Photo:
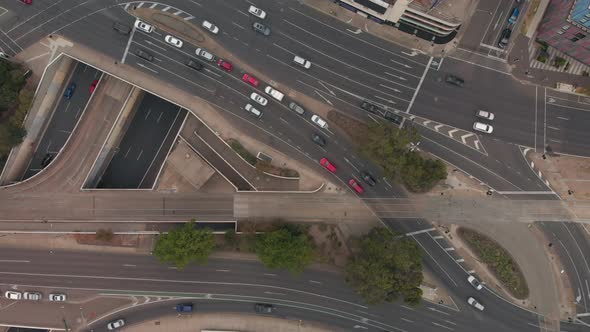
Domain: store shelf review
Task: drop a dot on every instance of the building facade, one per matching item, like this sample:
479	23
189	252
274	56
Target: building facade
419	17
566	26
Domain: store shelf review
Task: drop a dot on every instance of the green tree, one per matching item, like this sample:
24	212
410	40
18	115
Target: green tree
420	174
385	266
184	245
286	248
388	146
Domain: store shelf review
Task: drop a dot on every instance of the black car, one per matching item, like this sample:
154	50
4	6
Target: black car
264	308
455	80
144	55
317	139
261	28
194	64
46	160
370	107
504	37
368	178
393	117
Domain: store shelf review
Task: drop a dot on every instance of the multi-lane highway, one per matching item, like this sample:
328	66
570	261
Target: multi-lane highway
347	68
314	295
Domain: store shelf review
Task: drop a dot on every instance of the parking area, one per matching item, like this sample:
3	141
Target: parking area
73	98
143	148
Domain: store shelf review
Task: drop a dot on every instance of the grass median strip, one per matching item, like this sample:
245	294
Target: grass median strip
498	261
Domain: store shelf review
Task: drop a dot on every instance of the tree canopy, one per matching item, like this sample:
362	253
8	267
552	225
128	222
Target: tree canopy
389	147
185	245
385	266
286	248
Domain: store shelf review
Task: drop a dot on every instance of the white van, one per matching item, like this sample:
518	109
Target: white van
251	109
276	94
302	62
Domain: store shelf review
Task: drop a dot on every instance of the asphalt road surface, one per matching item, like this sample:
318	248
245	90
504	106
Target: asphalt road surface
151	133
64	118
313	295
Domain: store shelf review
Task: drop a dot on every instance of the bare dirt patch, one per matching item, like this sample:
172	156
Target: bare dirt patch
115	241
356	130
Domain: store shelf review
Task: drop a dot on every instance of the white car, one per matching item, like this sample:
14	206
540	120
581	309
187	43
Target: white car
33	296
204	54
251	109
319	121
276	94
144	26
485	115
173	41
259	99
211	27
116	324
474	282
484	128
13	295
302	62
261	14
474	303
57	297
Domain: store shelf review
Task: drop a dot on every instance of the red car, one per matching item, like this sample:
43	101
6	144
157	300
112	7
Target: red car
225	65
324	162
251	79
357	187
27	2
93	86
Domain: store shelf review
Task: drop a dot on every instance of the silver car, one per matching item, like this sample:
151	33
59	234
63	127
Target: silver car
116	324
484	128
203	53
33	296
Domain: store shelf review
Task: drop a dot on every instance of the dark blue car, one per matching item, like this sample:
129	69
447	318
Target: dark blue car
184	307
70	91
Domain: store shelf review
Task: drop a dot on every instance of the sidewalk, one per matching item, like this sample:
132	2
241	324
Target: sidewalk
227	322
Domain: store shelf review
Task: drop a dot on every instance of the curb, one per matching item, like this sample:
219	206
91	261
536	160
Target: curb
532	166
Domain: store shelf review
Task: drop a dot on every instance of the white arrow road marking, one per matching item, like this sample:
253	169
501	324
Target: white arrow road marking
426	122
402	64
438	126
452	132
551	100
360	327
464	137
387	100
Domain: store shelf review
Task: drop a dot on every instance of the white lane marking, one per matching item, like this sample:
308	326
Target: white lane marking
315	282
406	307
239	26
536	95
196	3
347	50
448	321
351	79
359	39
396	76
386	100
562	118
419	85
479	65
348	161
324	98
153	44
435	261
128	45
421	231
270	274
241	12
32	17
129	265
150	69
220	270
14	261
439	311
274	293
325	87
388	87
444	327
51	19
545	123
554	128
571	107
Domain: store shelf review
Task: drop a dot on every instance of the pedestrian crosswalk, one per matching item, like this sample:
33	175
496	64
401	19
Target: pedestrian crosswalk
575	67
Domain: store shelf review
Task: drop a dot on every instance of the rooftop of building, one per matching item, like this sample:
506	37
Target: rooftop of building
580	13
449	10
